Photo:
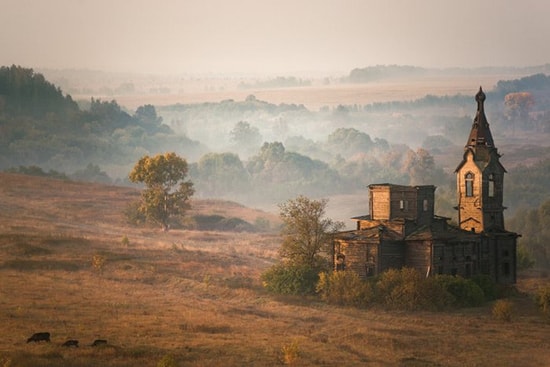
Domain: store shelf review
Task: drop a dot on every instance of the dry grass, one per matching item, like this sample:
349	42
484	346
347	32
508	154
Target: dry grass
196	296
313	97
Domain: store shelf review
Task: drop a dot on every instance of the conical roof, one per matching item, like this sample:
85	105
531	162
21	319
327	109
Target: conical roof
480	136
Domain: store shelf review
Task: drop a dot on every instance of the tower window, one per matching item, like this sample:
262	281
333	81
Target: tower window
469	184
491	185
425	205
403	205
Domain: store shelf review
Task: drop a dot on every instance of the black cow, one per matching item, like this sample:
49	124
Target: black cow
71	343
99	342
38	337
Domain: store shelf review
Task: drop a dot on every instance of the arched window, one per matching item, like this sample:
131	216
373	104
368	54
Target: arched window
469	184
491	185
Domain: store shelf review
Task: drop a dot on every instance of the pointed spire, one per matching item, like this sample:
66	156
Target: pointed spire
480	136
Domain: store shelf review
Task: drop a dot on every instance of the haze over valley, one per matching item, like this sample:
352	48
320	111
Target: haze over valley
265	102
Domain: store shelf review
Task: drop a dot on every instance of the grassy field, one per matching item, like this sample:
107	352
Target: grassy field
195	299
313	97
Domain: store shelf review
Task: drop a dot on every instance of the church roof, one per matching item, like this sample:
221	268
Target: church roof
373	233
480	135
450	232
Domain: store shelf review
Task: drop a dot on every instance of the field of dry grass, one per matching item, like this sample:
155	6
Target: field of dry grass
195	297
313	97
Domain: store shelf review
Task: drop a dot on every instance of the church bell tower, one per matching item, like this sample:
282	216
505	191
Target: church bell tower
480	178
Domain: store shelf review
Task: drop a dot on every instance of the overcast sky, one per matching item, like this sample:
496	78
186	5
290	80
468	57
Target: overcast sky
279	36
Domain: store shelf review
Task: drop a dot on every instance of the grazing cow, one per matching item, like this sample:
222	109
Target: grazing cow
71	343
99	342
38	337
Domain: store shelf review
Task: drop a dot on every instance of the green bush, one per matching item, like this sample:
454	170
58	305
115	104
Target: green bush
408	289
133	214
345	288
524	258
487	285
290	279
466	292
167	361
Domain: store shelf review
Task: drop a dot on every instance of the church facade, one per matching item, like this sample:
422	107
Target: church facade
402	229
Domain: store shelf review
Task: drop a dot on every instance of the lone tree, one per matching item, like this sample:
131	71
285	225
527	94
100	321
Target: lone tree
307	234
167	193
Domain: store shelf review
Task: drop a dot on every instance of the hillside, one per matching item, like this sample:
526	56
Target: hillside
195	297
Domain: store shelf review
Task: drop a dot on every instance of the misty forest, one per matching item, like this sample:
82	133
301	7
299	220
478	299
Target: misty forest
259	153
160	220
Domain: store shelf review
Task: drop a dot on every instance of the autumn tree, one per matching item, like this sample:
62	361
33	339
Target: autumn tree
518	106
167	193
307	233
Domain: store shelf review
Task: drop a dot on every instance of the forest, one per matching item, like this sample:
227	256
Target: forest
260	153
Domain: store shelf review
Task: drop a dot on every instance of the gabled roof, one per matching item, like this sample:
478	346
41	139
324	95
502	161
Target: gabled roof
373	233
434	233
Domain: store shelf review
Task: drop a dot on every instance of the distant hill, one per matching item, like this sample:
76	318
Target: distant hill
43	127
31	201
381	72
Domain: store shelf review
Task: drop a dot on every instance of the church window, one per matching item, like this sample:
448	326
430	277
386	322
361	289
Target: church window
369	270
340	262
506	269
491	185
469	184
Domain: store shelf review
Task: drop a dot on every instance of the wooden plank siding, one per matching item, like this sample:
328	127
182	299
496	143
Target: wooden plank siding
418	255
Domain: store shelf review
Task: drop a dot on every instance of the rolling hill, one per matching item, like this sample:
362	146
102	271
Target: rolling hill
71	265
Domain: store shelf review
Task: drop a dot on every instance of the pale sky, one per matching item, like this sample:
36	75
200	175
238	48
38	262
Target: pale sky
279	36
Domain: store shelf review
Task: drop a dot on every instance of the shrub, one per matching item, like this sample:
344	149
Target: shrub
465	292
291	353
133	214
345	288
167	361
487	285
408	289
290	279
125	241
503	310
524	258
542	298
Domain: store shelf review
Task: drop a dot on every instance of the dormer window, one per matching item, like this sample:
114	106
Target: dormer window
469	184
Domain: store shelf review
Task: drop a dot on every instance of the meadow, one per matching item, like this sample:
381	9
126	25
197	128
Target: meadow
327	92
72	266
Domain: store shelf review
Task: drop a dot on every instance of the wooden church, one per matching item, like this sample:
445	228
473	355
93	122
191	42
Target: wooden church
402	230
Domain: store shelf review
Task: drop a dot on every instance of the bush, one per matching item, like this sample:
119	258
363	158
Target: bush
407	289
542	298
345	288
524	258
503	310
167	361
291	353
290	279
133	214
465	292
487	285
216	222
